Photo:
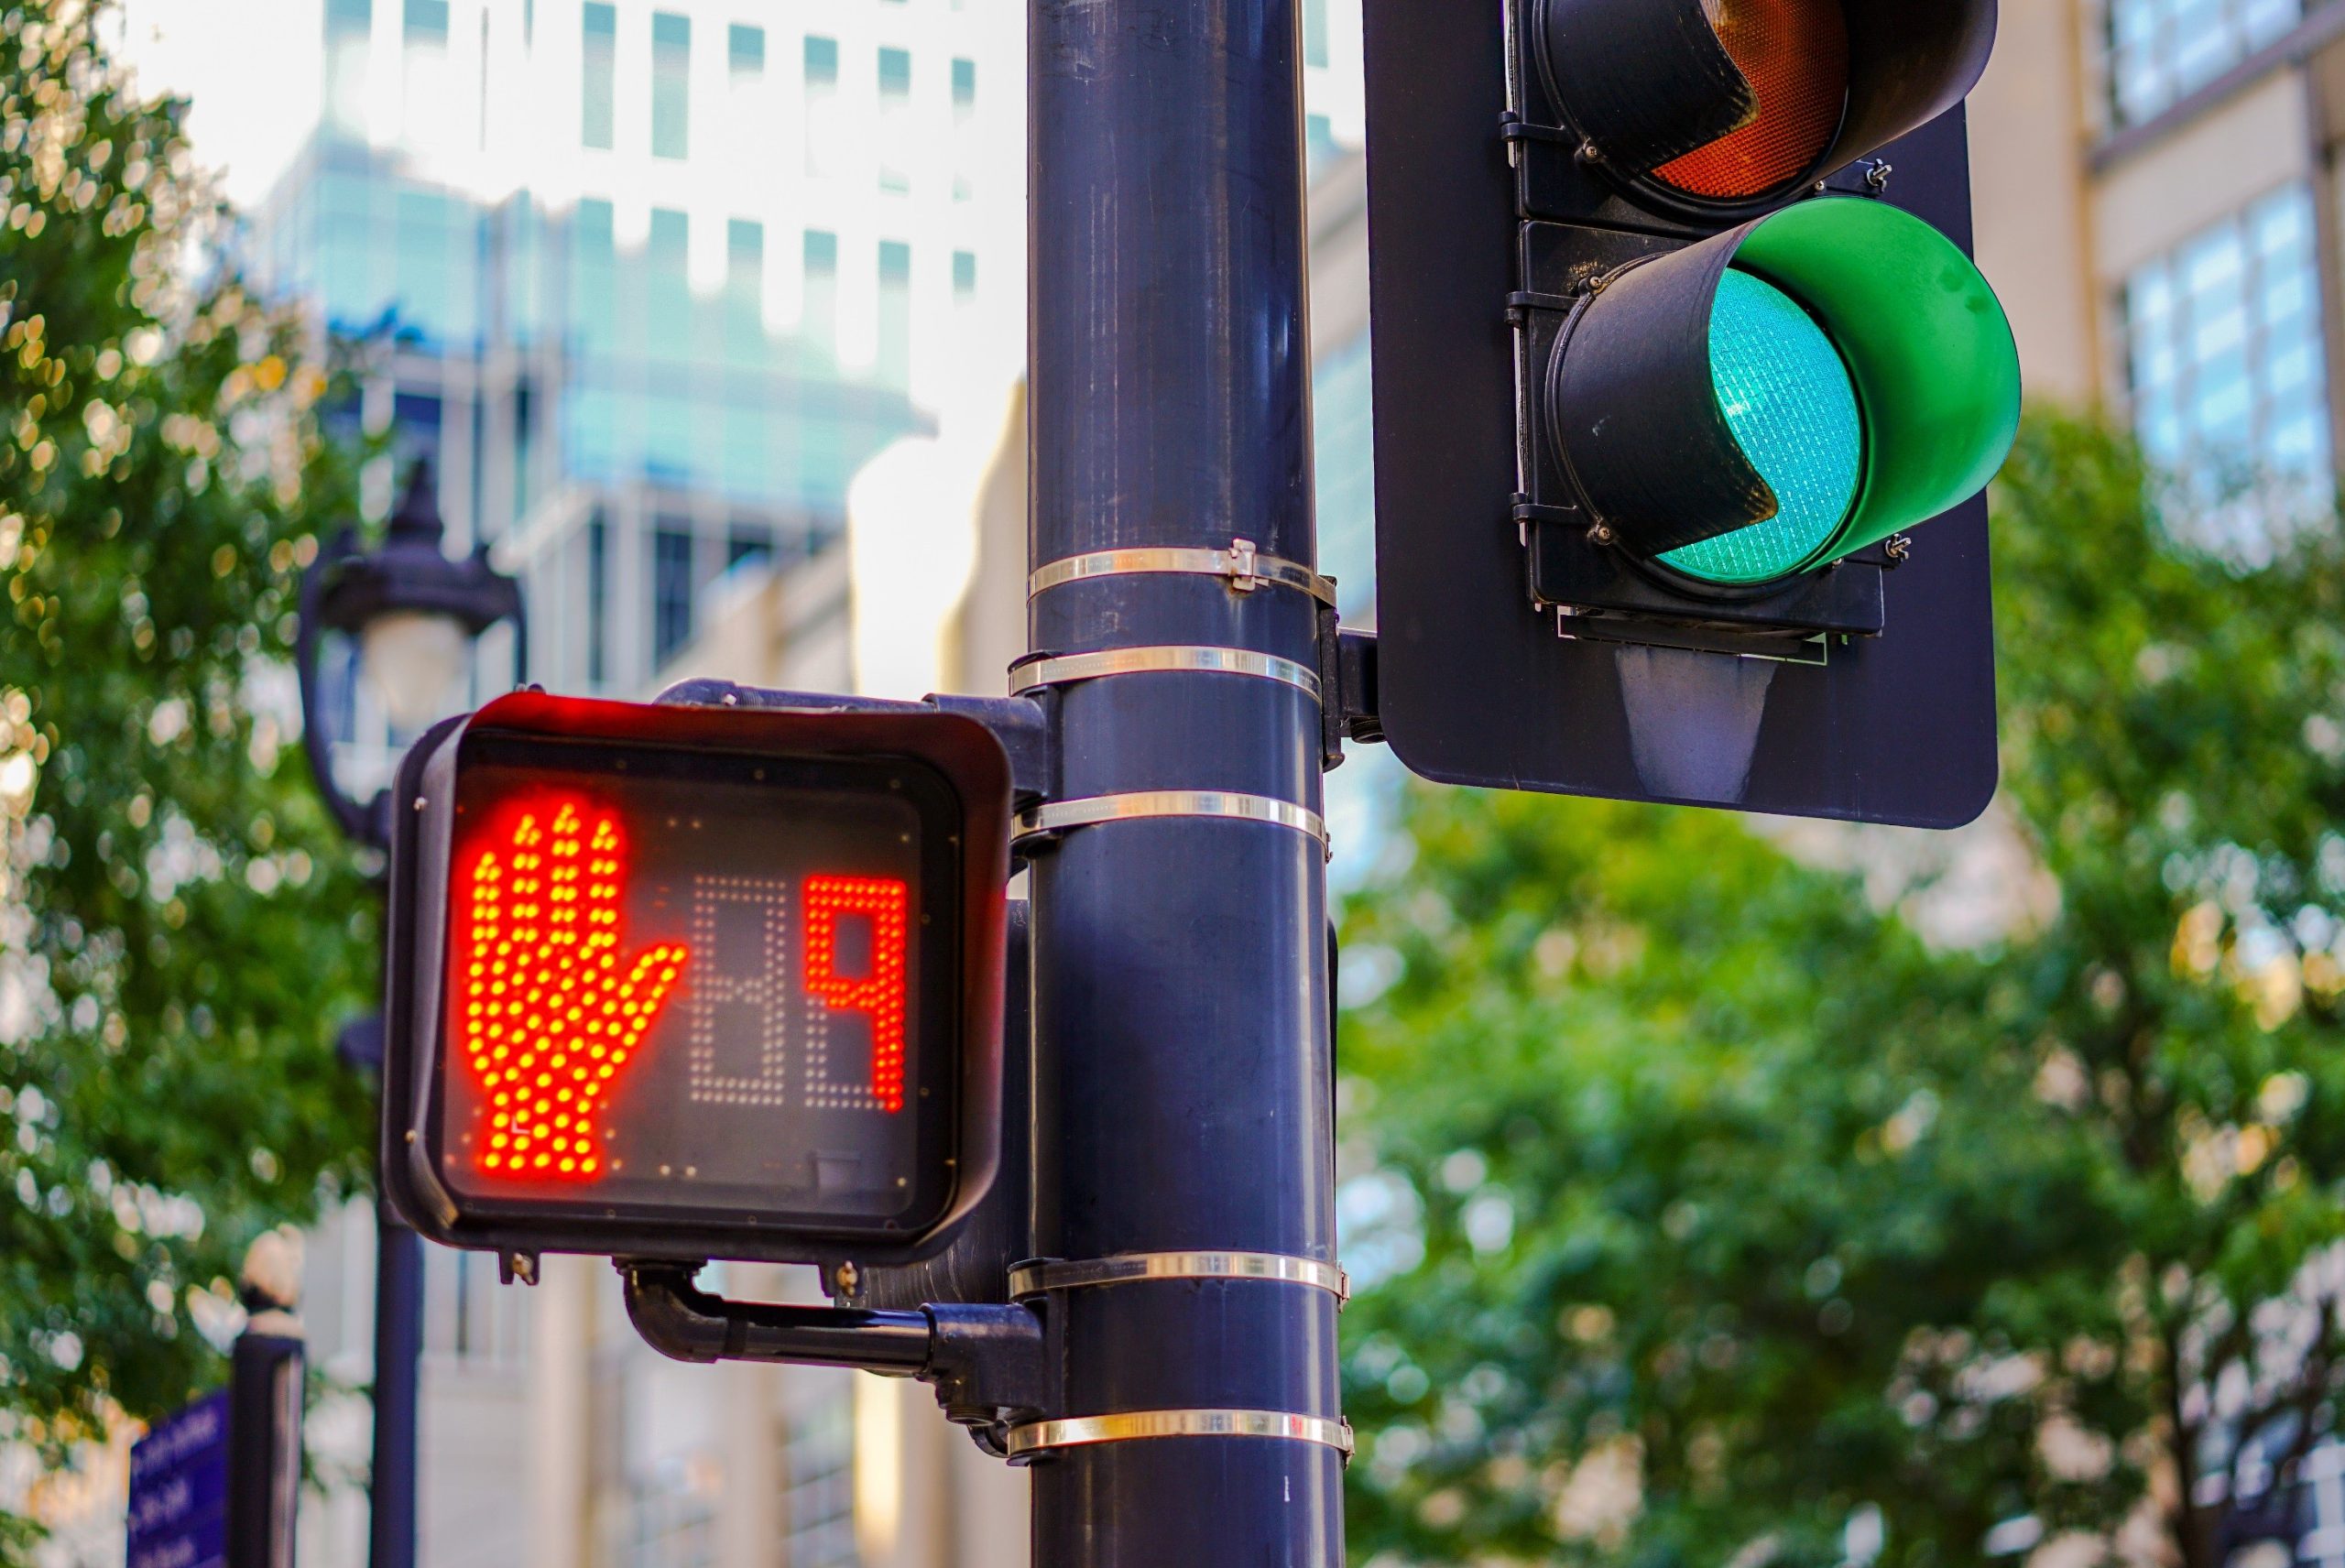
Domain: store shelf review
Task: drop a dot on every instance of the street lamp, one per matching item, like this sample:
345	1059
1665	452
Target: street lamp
415	614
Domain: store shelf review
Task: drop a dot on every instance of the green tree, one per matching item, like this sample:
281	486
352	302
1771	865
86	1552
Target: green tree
1725	1221
179	930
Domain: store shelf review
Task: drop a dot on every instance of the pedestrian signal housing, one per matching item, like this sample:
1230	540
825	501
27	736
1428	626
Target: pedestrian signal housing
690	983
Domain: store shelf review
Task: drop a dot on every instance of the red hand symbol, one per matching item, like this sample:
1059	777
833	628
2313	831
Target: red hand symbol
551	1013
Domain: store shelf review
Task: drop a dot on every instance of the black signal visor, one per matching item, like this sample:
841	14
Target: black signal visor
1729	105
694	983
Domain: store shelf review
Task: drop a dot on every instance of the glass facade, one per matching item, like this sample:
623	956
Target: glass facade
613	312
2224	344
2162	50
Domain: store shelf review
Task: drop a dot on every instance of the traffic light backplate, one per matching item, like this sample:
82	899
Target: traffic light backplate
1522	647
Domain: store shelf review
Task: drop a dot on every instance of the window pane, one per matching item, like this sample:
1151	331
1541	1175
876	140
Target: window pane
672	53
2223	346
895	364
597	74
672	589
822	61
2162	50
745	50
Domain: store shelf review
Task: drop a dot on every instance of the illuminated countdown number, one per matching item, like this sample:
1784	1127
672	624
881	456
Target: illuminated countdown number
878	991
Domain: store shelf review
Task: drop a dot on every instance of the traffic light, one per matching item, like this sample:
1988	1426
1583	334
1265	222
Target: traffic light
1693	275
686	983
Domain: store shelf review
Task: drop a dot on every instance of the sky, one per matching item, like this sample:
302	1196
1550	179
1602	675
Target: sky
251	70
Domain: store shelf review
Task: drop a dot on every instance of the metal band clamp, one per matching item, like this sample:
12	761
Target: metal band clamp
1090	810
1030	1280
1038	673
1246	569
1134	1426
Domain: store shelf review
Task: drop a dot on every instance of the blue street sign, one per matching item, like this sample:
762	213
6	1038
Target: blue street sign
178	1489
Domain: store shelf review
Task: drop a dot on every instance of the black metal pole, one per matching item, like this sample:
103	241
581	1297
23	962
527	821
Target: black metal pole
399	1348
1181	981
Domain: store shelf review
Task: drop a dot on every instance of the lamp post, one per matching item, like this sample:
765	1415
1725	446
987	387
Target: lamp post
416	614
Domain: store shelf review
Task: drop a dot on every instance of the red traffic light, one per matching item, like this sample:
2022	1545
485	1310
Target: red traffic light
686	982
1703	112
1795	56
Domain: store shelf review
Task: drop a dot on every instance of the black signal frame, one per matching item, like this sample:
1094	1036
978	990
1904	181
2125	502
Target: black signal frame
1898	727
949	768
1580	570
1909	62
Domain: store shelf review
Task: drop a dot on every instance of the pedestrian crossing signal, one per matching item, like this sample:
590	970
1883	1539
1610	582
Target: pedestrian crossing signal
682	982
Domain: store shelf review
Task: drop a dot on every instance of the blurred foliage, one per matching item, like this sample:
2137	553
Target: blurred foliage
1724	1221
180	928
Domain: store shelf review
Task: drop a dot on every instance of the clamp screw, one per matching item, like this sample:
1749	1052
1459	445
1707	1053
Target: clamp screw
1243	577
1601	534
1899	549
1588	152
844	1279
1878	175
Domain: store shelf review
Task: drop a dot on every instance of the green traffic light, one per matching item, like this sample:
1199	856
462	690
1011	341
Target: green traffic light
1871	378
1790	402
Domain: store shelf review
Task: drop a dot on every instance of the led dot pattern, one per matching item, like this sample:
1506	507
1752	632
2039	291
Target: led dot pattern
879	993
1788	398
1794	54
547	1014
718	997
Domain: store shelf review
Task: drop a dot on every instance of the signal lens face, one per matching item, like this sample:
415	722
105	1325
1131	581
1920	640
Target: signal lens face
1794	54
677	983
1788	398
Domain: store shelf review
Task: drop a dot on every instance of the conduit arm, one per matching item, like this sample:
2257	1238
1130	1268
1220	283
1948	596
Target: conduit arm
678	1318
985	1362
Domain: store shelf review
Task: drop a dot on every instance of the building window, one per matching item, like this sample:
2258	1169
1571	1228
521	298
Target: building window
895	366
594	280
965	277
895	120
672	586
821	1503
1343	435
598	602
348	22
823	128
1315	32
745	269
965	146
426	21
820	325
2224	340
2161	51
747	542
671	56
822	61
745	50
668	295
598	73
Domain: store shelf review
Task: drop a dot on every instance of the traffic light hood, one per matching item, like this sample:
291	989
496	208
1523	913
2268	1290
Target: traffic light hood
1925	341
1876	385
1754	96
